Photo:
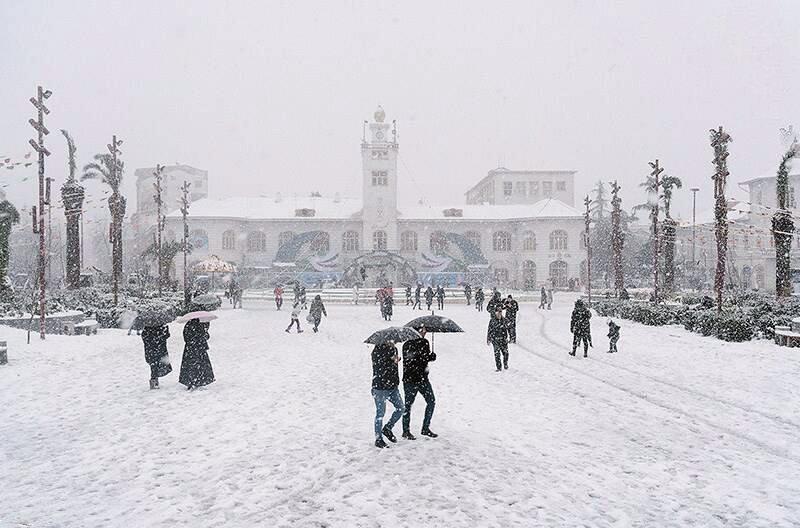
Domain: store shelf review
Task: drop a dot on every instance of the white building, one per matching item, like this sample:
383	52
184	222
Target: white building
522	244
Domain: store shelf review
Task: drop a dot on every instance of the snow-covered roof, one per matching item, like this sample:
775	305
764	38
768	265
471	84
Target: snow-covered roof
268	208
549	208
794	170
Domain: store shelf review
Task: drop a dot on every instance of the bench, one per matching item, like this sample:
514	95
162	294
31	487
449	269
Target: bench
785	337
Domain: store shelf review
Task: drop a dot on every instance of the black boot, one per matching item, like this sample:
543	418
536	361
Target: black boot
428	432
408	435
380	443
153	384
389	434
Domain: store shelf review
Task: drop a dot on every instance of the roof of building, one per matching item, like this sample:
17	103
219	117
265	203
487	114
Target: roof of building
326	208
548	208
794	170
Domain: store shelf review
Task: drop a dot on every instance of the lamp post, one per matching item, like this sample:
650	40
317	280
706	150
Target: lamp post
38	224
185	213
694	231
587	202
157	173
656	173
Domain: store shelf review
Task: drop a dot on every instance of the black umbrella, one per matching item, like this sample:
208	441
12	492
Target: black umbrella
434	324
154	318
395	334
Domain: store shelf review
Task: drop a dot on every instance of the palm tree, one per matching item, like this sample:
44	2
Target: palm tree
8	217
668	183
783	226
72	196
103	169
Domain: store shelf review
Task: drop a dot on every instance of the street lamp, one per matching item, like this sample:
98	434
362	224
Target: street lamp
694	221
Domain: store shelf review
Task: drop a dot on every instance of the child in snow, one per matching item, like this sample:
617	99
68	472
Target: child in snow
295	318
613	336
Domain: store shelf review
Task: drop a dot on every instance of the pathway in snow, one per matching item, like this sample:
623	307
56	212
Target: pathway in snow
675	430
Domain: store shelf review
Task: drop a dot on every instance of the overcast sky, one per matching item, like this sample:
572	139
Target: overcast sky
270	96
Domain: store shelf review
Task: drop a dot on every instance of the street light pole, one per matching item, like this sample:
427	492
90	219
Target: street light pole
694	231
38	227
185	213
656	172
587	202
159	225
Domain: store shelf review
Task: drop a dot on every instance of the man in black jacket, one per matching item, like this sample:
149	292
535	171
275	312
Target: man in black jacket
497	336
416	356
580	327
495	303
417	297
385	380
512	307
440	297
429	297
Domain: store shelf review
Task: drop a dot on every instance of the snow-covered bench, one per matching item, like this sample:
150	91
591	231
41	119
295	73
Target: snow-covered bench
87	327
784	336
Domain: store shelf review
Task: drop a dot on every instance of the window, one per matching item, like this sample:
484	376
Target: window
759	197
501	241
547	189
285	237
438	243
534	186
198	239
380	178
521	188
501	276
558	240
558	274
529	275
508	188
256	242
791	200
474	237
229	240
321	244
528	241
561	186
350	241
408	241
379	240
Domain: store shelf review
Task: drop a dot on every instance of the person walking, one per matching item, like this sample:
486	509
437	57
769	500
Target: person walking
355	293
497	336
295	319
543	299
468	293
416	356
613	336
385	382
296	291
316	312
429	297
388	303
495	303
196	368
155	352
303	305
512	307
417	297
380	293
479	298
440	297
550	298
408	294
278	294
580	327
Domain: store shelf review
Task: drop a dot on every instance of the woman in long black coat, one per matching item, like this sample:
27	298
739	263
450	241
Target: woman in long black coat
196	368
155	352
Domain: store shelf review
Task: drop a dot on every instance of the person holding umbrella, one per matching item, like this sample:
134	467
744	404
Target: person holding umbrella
497	336
416	356
385	382
155	352
196	368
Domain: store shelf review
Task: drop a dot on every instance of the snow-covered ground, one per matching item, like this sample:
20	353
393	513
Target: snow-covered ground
674	430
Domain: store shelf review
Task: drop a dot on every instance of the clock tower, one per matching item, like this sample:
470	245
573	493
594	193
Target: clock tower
379	150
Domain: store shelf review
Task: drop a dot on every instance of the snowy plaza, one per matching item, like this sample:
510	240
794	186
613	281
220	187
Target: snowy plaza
674	430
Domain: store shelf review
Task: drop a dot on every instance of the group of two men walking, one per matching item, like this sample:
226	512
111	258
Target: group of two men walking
385	386
502	330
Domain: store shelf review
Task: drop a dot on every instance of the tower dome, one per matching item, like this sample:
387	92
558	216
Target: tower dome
379	115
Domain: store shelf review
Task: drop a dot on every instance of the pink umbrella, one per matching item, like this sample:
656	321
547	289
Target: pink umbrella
204	317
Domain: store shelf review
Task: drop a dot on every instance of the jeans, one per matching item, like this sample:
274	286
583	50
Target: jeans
440	303
292	324
500	349
411	390
380	397
278	302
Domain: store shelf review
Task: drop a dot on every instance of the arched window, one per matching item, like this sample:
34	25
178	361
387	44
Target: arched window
529	275
321	244
501	276
501	241
229	240
285	237
350	241
256	242
408	241
474	237
379	240
438	243
528	241
558	274
198	239
558	240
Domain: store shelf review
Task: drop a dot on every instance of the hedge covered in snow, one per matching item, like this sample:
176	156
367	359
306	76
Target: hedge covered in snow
743	316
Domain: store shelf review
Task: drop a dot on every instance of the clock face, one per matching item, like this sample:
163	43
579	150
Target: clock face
379	135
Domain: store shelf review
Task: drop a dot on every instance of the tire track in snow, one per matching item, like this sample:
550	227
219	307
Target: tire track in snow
778	452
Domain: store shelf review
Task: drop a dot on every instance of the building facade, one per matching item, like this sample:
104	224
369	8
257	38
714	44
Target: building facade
316	238
505	186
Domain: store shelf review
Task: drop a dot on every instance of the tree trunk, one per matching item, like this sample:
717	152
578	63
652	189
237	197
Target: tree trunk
116	204
721	232
782	229
617	242
669	254
72	195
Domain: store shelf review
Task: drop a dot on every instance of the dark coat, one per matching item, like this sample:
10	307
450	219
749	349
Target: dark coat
496	303
467	290
512	307
385	375
479	296
613	329
579	323
498	332
429	295
388	302
417	293
317	310
196	368
440	293
416	356
155	348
